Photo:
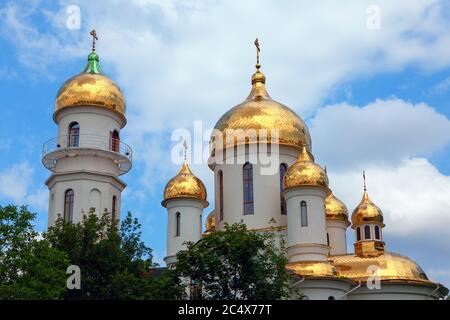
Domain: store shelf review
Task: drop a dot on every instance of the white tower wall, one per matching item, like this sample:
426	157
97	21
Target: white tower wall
336	230
91	168
190	225
306	243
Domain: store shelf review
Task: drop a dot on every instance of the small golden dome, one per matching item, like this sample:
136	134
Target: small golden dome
210	223
391	266
366	211
260	114
335	209
313	269
185	185
91	88
305	173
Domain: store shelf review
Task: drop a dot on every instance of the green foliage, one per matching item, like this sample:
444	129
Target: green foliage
236	264
114	264
29	268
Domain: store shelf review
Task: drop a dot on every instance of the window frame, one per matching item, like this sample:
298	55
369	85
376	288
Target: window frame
73	135
69	199
283	207
303	213
367	230
248	191
177	224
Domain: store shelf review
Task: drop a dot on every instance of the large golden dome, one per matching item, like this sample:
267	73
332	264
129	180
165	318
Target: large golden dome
185	185
91	88
305	173
390	266
335	209
210	223
366	211
319	269
260	112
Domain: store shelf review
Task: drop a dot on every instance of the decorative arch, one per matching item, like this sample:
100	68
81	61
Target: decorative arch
95	197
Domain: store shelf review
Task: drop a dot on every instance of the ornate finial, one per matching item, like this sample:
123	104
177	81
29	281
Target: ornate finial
94	37
258	50
364	178
185	146
325	169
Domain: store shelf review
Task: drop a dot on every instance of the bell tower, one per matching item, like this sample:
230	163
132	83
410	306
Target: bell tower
87	156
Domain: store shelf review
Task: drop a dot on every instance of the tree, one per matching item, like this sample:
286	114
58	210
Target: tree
235	264
30	268
115	263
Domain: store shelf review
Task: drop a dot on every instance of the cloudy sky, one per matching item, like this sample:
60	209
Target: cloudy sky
375	94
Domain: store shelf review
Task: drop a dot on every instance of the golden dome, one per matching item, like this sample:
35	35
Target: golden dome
366	211
210	223
391	266
91	88
260	112
305	173
312	269
185	185
335	209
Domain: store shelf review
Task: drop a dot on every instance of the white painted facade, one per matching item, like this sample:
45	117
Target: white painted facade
90	167
306	242
187	229
337	236
266	187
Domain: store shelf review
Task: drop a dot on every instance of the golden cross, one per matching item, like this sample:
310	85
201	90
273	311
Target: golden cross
258	50
185	146
94	37
364	177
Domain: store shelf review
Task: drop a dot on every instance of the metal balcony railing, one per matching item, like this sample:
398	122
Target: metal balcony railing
61	144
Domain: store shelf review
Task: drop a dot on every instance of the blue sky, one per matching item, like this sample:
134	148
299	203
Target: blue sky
374	99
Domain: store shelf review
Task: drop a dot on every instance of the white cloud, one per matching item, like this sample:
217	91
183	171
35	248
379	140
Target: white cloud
181	60
16	184
382	132
413	195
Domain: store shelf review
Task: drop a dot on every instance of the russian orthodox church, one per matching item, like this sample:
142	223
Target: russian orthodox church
296	202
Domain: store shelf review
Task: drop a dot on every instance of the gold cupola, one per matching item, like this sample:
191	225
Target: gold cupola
335	209
185	185
367	221
210	223
305	173
366	211
91	88
261	115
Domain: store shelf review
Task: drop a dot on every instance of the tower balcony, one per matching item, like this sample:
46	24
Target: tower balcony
87	144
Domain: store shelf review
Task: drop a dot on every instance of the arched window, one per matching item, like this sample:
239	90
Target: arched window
248	188
366	232
74	135
283	169
304	214
114	209
328	239
358	234
68	205
220	195
331	298
177	224
115	141
377	233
